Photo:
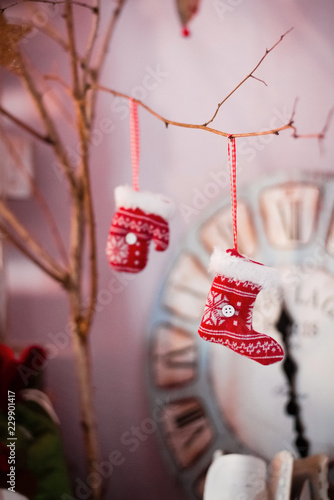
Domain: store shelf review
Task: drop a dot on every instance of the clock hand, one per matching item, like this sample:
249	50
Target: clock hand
290	368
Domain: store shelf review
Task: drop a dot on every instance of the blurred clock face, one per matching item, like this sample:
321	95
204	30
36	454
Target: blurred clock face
209	396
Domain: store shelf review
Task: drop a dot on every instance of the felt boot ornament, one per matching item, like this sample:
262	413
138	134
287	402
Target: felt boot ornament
140	217
228	313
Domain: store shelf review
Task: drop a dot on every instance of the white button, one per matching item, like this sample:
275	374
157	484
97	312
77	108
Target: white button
228	310
131	238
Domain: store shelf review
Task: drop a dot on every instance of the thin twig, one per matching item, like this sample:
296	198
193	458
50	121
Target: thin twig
274	131
23	249
188	125
72	47
90	108
92	248
82	217
26	127
250	75
328	121
37	194
95	72
259	80
62	105
51	2
325	128
293	111
321	135
85	62
48	122
51	33
107	37
26	244
56	78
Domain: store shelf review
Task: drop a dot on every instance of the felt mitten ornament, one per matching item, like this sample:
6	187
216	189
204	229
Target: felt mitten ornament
228	313
140	217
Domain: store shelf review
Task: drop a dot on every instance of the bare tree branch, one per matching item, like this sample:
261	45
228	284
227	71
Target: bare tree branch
95	72
250	75
85	62
27	245
26	127
274	131
51	2
72	47
56	78
51	33
48	122
38	196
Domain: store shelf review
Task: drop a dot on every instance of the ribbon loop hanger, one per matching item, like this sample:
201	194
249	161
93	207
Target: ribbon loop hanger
134	135
232	163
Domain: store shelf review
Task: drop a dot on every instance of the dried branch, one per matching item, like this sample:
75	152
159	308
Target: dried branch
56	78
26	127
37	194
51	33
48	122
274	131
107	38
82	220
85	62
327	123
23	249
51	2
250	75
293	111
321	134
95	72
92	249
27	245
72	48
90	108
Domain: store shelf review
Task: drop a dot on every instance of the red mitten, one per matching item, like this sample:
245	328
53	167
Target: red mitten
140	217
228	314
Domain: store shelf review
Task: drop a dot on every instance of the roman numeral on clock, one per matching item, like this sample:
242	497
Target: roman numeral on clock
175	356
187	287
218	231
289	212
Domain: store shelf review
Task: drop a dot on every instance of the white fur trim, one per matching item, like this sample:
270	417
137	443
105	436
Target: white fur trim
242	269
150	203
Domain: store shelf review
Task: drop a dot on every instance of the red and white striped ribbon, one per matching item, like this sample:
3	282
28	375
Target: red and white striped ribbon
134	134
232	162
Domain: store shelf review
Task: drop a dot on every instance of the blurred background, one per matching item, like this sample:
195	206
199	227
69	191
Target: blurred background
183	79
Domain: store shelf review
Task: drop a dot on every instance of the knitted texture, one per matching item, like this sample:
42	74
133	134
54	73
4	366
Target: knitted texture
129	239
228	316
141	216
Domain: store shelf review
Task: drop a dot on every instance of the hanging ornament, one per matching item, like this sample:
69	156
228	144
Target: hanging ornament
141	216
186	9
228	313
10	36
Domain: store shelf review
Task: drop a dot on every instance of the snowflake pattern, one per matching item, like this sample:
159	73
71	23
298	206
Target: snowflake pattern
213	312
156	230
118	250
249	320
